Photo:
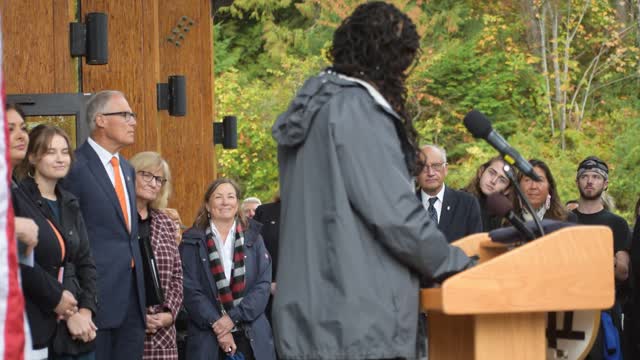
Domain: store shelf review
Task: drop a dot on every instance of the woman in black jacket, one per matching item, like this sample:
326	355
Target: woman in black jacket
65	272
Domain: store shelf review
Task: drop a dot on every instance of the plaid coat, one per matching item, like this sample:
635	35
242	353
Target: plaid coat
162	344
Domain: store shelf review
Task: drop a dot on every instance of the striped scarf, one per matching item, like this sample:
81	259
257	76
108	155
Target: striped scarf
230	293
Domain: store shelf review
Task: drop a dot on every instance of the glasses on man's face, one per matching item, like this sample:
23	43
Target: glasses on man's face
437	167
494	174
126	115
148	177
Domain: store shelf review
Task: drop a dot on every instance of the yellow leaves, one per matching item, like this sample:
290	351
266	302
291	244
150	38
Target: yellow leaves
432	99
475	151
531	59
307	9
565	87
487	40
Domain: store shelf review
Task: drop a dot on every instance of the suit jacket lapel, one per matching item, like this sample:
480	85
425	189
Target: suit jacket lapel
128	172
102	178
446	214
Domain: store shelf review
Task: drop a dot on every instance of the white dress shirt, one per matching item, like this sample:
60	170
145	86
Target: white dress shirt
438	204
105	158
225	249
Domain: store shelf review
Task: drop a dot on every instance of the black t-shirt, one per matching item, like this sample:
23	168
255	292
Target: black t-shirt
618	225
144	227
55	209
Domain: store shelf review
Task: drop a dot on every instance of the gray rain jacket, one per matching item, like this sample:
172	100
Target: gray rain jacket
354	239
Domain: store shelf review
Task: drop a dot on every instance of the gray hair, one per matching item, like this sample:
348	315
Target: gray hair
97	104
251	200
437	148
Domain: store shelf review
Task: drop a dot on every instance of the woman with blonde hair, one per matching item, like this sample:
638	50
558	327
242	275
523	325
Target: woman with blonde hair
155	228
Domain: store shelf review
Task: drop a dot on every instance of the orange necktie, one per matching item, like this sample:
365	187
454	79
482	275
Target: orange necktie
120	193
120	189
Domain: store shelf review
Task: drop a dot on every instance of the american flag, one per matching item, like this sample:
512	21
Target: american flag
12	332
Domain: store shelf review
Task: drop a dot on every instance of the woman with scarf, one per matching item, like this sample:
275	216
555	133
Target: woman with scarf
227	278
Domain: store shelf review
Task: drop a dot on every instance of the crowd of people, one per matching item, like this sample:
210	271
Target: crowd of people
107	269
592	208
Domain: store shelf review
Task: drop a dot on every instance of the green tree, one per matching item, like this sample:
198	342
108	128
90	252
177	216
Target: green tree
550	75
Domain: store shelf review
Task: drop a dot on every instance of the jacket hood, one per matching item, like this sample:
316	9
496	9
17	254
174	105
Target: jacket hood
292	126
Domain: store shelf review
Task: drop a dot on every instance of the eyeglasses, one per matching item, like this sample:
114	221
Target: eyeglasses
437	167
494	174
127	115
147	177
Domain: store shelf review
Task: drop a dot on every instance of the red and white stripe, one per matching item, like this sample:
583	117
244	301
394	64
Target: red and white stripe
12	334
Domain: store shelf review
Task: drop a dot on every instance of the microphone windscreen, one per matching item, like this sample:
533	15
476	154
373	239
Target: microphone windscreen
477	124
498	205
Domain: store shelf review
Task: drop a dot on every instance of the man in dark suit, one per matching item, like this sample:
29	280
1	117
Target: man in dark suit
457	213
104	182
269	215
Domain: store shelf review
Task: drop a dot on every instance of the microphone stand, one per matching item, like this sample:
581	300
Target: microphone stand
516	186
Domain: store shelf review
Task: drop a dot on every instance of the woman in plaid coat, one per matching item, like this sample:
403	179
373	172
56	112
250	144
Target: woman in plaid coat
152	192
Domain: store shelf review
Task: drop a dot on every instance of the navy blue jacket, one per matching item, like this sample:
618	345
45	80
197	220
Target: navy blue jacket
112	245
200	293
460	214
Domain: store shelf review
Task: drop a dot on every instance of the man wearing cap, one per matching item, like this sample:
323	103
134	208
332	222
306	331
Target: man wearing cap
592	180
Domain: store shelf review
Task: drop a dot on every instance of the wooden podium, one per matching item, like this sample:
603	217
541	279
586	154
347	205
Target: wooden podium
497	309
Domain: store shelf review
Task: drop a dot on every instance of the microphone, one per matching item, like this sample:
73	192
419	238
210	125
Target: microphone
480	127
499	205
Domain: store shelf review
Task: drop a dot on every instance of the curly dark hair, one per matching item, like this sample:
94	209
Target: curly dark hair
378	43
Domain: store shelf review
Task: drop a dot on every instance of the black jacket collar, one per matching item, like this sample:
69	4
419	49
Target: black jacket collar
65	198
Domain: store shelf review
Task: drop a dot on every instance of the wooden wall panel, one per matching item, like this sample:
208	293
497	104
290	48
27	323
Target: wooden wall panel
36	57
37	60
131	62
187	142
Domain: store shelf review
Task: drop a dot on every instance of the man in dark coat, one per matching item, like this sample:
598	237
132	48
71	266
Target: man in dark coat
456	212
269	215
